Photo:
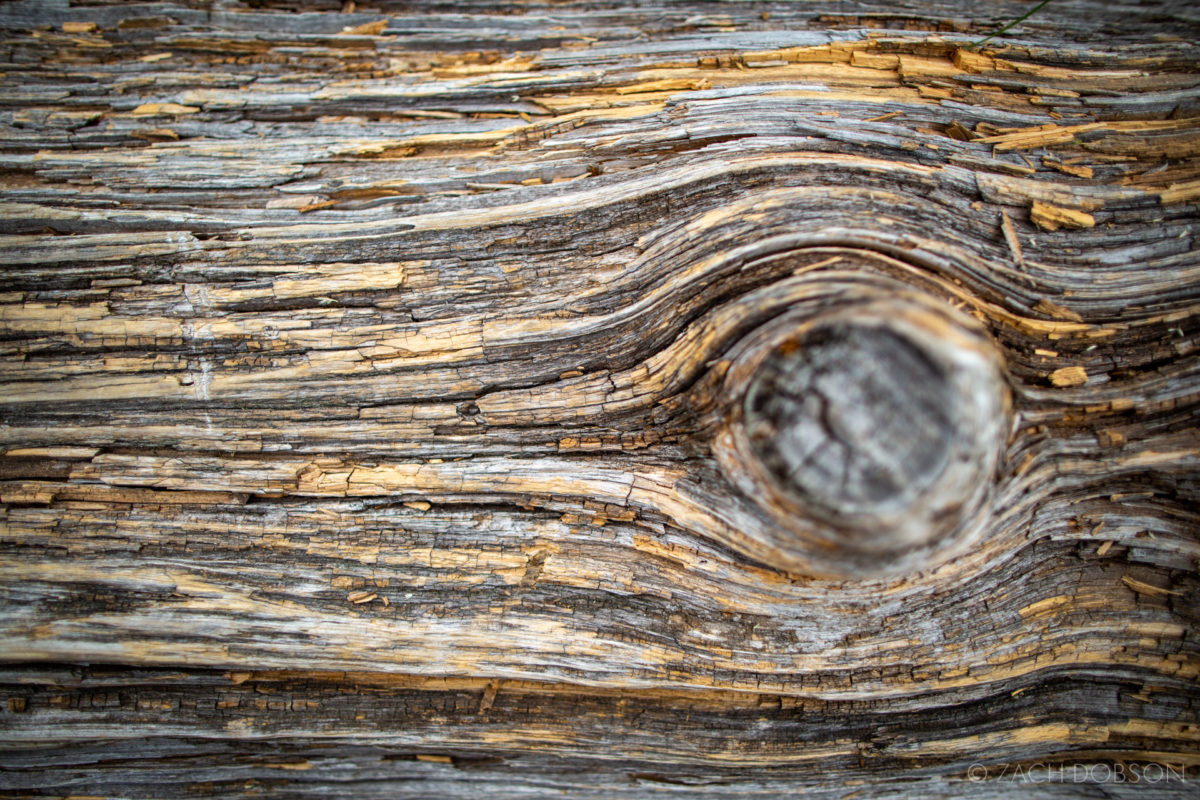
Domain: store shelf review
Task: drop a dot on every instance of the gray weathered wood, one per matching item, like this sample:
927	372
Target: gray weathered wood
489	399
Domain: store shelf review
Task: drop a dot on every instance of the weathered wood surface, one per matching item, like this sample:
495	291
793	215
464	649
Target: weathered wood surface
509	399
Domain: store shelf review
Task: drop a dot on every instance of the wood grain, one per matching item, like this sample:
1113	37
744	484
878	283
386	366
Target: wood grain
510	400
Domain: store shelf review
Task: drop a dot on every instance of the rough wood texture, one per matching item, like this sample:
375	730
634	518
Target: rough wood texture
721	399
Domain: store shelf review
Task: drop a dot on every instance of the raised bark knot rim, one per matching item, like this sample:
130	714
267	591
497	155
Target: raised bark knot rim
869	433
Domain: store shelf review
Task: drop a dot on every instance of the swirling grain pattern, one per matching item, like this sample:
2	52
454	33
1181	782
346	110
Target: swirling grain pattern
517	399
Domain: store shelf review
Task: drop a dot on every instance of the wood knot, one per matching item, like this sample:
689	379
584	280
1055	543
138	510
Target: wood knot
854	420
869	434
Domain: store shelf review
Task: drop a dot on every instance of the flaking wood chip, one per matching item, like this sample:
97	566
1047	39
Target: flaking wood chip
1051	218
1069	376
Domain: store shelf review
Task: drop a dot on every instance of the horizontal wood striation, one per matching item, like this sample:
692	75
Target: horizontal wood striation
372	379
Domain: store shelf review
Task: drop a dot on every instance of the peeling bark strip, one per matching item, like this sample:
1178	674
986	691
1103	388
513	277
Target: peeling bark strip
510	400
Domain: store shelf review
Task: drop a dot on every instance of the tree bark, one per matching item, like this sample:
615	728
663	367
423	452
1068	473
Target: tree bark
510	400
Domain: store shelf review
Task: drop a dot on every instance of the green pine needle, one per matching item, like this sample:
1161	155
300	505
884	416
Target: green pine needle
1014	23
